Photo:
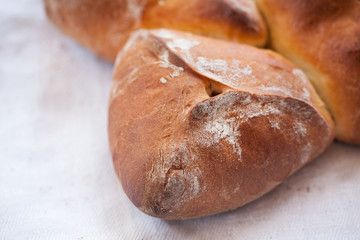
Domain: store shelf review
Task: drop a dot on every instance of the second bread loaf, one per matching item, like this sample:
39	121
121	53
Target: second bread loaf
105	25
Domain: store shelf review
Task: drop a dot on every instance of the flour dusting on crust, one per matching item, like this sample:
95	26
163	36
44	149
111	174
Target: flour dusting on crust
299	128
220	119
226	129
165	63
163	80
223	115
221	70
181	179
236	73
117	86
134	37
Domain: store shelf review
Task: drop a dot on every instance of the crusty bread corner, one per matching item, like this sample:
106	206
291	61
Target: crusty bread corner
323	38
199	126
105	25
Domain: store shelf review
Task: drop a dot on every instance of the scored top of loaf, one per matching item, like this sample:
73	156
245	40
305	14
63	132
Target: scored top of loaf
237	66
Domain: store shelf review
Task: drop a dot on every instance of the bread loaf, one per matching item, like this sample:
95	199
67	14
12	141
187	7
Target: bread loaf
199	126
323	38
105	25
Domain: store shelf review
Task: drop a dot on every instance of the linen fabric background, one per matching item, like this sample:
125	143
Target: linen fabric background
56	174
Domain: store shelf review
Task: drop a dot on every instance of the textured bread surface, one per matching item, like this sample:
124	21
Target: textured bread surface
199	126
105	25
323	38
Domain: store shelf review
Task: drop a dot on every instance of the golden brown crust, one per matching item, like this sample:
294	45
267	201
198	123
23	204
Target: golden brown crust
238	20
101	25
196	129
323	38
105	25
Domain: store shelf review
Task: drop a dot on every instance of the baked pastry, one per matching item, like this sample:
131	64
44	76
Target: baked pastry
323	38
199	126
105	25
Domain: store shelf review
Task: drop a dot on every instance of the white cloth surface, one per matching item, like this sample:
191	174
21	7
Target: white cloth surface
56	174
